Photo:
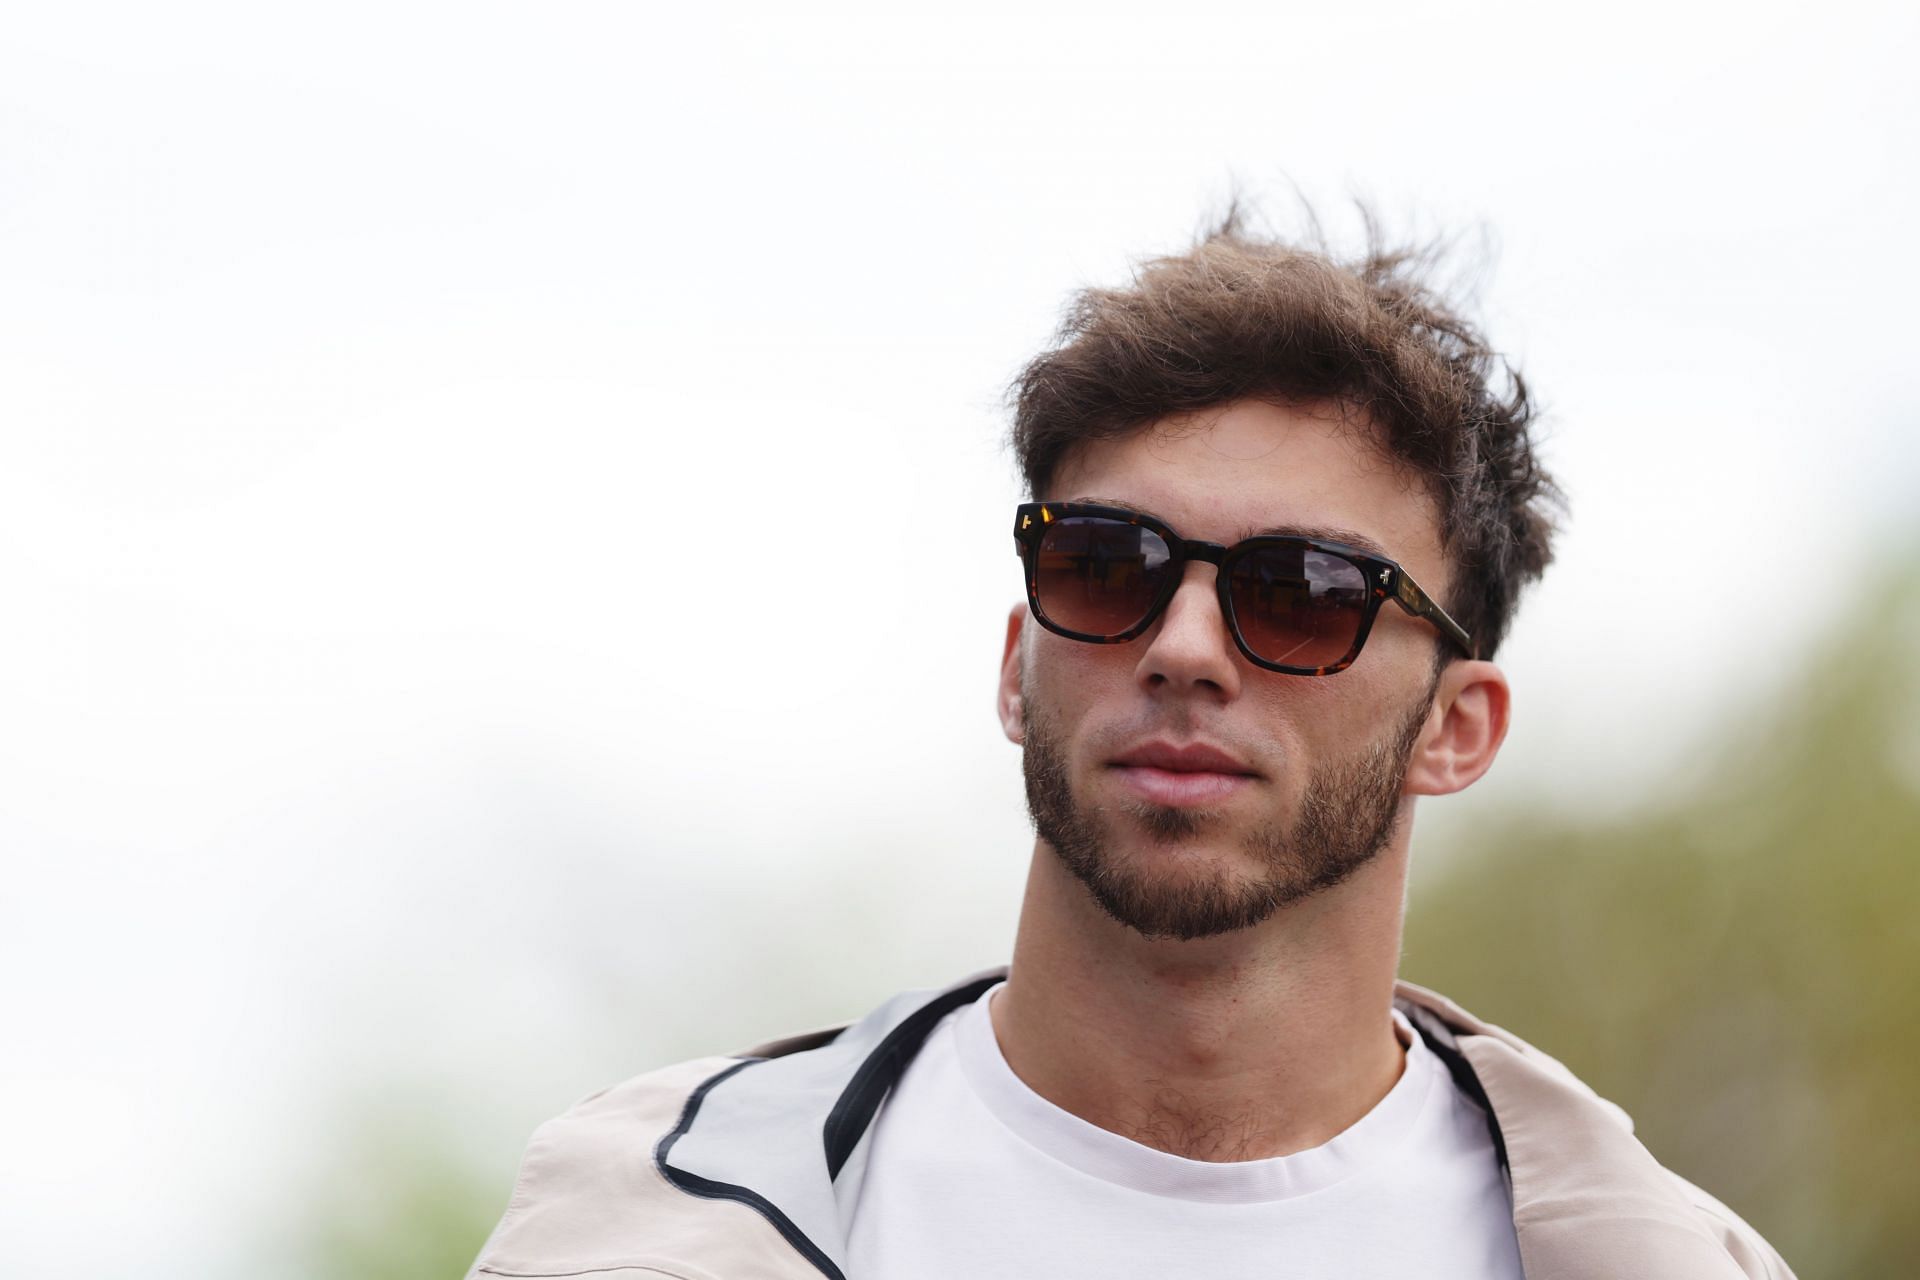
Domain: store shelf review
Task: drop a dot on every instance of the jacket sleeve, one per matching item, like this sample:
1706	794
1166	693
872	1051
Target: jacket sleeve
1760	1260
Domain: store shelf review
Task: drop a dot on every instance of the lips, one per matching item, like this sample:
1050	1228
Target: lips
1195	757
1181	776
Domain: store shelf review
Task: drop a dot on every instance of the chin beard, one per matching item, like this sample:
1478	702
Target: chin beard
1347	815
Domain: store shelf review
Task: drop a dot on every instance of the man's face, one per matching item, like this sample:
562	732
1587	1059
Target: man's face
1313	789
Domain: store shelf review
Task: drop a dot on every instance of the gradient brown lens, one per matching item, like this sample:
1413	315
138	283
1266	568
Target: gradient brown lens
1296	606
1098	576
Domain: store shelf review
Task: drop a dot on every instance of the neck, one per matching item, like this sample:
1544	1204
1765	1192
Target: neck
1257	1043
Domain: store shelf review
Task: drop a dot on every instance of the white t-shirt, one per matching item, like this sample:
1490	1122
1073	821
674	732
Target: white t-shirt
974	1176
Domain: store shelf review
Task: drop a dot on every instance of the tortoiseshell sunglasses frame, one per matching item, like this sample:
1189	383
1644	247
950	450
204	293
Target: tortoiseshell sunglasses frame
1386	580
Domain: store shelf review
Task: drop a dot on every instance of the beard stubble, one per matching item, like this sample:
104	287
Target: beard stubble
1347	814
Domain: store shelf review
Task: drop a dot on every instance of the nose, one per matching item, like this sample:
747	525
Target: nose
1189	650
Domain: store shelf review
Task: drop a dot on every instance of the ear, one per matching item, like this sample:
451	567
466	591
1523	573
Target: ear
1463	732
1012	715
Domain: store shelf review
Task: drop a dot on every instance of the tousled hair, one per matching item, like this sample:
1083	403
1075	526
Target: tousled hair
1242	316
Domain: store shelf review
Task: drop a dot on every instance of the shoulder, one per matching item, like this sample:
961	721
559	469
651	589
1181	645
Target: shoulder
1583	1185
590	1197
613	1131
706	1168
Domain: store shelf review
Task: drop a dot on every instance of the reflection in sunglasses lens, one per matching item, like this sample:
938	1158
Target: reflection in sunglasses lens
1297	606
1098	576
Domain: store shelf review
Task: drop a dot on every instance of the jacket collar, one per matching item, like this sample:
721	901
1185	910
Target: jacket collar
783	1131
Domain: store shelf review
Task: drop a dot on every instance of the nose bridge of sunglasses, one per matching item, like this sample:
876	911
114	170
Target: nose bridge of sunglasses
1210	587
1190	555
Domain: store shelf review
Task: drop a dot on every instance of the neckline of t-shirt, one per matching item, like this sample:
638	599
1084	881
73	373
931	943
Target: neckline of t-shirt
1112	1158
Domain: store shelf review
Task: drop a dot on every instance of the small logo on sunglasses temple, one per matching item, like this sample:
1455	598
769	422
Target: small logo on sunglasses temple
1384	575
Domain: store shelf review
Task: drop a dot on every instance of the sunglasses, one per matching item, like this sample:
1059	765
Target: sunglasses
1302	606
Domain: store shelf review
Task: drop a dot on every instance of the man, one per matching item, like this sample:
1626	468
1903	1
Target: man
1281	515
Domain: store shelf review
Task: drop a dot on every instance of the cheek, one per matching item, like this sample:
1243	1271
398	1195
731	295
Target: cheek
1071	684
1315	719
1361	710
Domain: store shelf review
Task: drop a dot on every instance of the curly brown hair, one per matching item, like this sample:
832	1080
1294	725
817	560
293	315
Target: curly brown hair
1240	316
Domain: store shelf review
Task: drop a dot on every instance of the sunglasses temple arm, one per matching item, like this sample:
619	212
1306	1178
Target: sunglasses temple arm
1409	596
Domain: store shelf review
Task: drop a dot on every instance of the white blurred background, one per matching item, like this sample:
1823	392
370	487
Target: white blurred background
399	734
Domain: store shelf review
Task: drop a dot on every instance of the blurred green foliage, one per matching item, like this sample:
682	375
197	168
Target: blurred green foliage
1738	969
404	1199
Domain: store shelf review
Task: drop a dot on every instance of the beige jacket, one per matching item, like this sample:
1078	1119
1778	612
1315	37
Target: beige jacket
743	1167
